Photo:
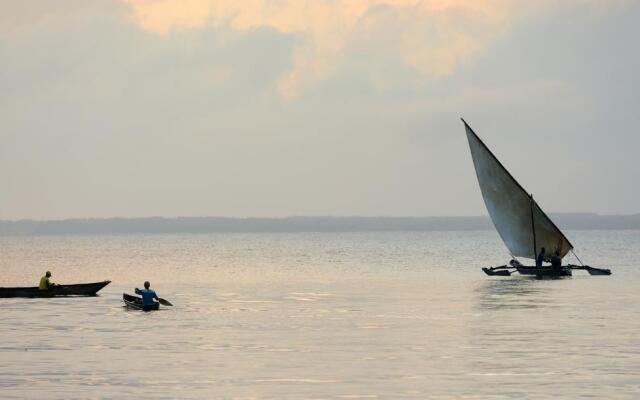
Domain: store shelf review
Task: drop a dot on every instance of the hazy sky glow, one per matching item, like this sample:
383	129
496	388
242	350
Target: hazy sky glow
279	108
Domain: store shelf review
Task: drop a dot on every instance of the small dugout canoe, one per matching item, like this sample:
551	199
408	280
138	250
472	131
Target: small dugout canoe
135	302
78	289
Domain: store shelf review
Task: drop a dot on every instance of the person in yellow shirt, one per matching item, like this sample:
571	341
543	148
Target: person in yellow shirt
45	282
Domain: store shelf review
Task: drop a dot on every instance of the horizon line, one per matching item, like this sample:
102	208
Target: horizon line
584	213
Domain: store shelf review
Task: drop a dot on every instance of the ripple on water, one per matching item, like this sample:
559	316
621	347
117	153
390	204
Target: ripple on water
388	315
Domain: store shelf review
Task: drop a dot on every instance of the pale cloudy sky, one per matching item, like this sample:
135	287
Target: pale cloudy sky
299	107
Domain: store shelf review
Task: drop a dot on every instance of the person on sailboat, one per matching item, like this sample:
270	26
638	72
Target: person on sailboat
540	257
148	295
556	261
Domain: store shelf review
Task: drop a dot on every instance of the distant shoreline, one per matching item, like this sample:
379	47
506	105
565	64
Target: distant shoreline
99	226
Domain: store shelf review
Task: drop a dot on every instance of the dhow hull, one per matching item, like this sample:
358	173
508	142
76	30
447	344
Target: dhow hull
544	272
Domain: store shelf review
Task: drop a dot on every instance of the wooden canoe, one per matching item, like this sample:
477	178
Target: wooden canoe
78	289
135	302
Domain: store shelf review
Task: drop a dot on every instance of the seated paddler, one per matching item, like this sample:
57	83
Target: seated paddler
540	257
45	282
556	261
148	295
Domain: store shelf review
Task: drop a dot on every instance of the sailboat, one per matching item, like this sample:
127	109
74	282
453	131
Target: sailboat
524	228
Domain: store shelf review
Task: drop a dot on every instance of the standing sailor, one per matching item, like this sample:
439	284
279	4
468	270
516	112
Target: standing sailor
540	258
148	295
45	282
556	261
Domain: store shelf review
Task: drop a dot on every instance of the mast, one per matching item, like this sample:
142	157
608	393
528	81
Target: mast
533	229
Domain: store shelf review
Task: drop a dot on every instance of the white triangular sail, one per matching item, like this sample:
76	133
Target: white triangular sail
513	212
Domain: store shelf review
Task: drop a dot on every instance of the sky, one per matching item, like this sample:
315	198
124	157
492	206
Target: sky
296	107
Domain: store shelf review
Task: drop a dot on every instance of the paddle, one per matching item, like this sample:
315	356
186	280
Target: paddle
164	302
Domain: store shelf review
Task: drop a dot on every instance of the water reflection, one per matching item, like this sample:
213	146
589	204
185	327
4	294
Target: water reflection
513	293
315	316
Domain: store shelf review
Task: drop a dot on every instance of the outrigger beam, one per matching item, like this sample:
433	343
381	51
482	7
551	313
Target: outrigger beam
506	270
502	270
591	270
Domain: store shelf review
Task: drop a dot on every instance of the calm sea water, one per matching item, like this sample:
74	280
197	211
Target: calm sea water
315	315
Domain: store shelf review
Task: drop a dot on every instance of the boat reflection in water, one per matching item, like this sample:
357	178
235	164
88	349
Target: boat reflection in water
517	293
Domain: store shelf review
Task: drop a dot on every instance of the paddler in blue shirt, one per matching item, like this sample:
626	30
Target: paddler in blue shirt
148	295
45	282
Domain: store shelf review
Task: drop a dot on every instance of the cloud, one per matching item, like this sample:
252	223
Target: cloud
432	37
107	113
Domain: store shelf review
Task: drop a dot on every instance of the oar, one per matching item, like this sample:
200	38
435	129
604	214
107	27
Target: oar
164	302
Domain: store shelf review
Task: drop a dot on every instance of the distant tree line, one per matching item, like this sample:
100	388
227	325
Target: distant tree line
100	226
